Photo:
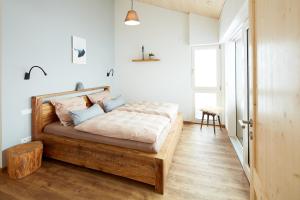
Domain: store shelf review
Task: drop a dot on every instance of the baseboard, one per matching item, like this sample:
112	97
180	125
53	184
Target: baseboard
238	148
204	124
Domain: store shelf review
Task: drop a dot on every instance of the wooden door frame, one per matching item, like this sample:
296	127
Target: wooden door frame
255	182
242	149
252	66
246	140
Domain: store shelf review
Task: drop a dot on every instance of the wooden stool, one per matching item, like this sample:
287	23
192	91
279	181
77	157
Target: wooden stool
212	111
24	159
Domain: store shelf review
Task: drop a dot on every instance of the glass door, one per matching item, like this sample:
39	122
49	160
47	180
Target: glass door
240	86
242	79
206	78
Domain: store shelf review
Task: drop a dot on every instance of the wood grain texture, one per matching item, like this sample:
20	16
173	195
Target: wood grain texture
45	96
43	113
205	167
159	176
24	159
3	170
212	8
253	92
36	118
144	167
124	162
276	165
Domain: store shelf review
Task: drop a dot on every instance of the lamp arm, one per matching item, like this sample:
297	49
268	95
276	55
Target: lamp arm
39	68
27	74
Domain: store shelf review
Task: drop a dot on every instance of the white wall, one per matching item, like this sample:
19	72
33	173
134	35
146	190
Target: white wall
38	32
203	30
1	62
230	100
166	34
233	16
233	13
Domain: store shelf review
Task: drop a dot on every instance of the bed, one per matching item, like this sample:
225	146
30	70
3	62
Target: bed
144	163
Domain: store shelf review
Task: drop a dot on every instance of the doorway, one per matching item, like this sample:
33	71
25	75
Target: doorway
242	96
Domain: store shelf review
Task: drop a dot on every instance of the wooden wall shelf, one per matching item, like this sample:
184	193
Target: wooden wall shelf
146	60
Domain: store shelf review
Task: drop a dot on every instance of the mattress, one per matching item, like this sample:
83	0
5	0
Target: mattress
69	131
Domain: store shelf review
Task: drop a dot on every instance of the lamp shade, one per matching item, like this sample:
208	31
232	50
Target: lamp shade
132	18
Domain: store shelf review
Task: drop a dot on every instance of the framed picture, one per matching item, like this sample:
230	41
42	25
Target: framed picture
79	50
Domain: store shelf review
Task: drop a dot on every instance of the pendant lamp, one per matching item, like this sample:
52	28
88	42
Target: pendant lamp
132	18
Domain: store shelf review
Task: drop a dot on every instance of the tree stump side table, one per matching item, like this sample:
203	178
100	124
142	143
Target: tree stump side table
24	159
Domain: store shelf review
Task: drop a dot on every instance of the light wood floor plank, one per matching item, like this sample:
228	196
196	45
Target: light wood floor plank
205	167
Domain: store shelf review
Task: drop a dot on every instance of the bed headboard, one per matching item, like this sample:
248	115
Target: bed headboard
43	112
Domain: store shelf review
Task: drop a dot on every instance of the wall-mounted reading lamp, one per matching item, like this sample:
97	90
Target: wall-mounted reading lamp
27	74
110	72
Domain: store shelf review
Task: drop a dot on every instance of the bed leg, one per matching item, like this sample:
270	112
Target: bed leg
159	176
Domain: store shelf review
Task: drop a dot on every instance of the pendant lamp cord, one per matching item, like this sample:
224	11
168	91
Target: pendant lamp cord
131	4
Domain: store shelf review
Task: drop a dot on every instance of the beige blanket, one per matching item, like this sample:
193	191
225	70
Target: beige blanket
127	125
169	110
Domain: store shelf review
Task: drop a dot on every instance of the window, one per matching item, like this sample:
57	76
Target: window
206	78
206	68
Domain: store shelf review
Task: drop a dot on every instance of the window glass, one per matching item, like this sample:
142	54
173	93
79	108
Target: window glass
205	66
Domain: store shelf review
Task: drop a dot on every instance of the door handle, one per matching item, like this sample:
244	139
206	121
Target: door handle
250	122
243	123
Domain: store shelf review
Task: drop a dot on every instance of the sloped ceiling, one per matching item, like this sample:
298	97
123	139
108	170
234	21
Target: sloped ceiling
209	8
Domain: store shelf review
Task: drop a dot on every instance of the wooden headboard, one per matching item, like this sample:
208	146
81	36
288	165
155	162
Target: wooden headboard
43	112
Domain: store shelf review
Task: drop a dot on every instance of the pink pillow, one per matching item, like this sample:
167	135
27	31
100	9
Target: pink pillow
64	106
99	97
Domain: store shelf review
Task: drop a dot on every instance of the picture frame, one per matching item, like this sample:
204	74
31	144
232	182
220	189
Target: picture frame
79	50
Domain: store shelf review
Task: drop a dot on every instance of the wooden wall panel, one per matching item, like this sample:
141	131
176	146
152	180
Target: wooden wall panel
277	137
201	7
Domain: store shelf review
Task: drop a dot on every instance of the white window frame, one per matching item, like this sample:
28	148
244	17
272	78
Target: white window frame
218	88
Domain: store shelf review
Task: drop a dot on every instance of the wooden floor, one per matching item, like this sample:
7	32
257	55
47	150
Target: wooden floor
205	167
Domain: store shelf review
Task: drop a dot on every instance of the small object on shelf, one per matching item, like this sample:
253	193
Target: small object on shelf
150	59
143	52
146	60
24	159
151	55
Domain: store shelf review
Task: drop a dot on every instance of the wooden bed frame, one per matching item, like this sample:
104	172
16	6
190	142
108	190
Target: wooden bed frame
148	168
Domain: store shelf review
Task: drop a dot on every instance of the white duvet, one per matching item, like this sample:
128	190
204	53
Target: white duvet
122	124
169	110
